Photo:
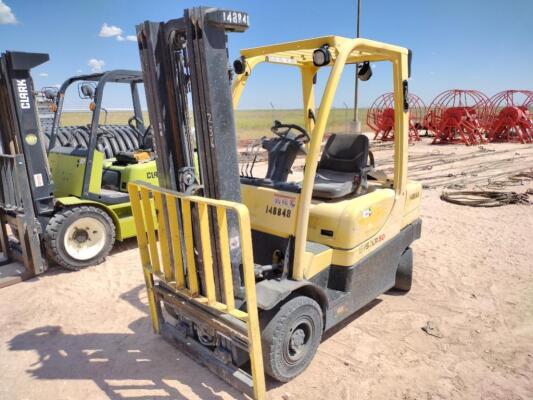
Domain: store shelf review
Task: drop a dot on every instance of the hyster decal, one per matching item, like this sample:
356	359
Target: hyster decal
371	243
24	99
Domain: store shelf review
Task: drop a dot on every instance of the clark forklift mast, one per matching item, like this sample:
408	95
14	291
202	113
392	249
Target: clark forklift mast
26	195
256	297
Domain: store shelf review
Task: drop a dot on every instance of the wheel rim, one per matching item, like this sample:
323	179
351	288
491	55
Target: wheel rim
85	238
298	340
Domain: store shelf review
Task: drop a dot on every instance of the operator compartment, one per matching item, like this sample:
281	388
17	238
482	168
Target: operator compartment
349	204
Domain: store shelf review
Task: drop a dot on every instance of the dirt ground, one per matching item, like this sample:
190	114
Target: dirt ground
87	335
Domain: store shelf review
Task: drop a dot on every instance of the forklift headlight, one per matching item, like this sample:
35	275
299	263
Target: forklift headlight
365	71
239	66
321	56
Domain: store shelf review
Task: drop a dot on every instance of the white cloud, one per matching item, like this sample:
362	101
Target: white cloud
43	74
6	15
109	30
79	71
129	38
96	65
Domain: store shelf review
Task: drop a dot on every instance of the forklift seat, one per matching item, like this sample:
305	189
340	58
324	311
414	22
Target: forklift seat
343	167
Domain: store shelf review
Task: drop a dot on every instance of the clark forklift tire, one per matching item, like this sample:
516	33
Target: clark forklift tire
79	237
404	273
291	337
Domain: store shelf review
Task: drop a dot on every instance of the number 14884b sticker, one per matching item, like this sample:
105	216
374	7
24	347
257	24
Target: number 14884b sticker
279	211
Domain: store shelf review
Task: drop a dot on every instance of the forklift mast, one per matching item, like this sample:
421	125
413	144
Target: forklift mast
189	56
26	192
19	125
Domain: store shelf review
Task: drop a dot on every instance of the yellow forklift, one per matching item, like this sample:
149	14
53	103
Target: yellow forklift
246	274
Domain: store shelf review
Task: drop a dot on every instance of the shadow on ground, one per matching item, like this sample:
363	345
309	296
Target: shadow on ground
137	365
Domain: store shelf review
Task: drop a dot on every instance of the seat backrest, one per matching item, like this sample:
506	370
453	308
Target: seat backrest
345	153
281	155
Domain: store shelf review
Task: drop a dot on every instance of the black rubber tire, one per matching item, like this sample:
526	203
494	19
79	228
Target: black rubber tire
404	273
302	313
56	229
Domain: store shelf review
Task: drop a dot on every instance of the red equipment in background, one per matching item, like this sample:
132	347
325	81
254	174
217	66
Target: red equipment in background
454	117
508	118
380	117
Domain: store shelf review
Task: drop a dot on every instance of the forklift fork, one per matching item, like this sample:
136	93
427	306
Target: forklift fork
210	329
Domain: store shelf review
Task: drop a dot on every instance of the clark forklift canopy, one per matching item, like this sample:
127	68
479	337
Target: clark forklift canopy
115	76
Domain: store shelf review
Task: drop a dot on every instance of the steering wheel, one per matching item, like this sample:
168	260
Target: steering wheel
134	118
282	130
147	132
142	136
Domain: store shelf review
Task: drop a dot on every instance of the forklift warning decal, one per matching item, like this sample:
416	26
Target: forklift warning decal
281	200
22	88
282	206
31	139
38	180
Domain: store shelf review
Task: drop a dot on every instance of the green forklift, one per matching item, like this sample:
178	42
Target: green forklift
63	195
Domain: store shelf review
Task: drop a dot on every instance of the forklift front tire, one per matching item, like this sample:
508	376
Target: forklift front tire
79	237
404	273
291	338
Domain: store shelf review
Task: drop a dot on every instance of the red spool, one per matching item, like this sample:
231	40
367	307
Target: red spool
508	117
380	117
454	116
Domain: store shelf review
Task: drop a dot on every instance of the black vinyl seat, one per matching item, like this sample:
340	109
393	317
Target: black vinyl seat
343	167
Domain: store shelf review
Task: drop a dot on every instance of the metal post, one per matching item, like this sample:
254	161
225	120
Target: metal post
346	118
357	123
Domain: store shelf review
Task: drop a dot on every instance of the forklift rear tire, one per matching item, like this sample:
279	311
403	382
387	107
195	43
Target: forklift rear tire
291	337
79	237
404	273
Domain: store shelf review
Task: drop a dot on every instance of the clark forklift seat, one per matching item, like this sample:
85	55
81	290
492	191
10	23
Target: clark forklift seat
343	167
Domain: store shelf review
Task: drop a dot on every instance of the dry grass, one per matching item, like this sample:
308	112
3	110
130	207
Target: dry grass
251	124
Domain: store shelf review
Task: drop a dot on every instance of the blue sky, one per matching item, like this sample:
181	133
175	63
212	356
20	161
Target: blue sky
473	44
